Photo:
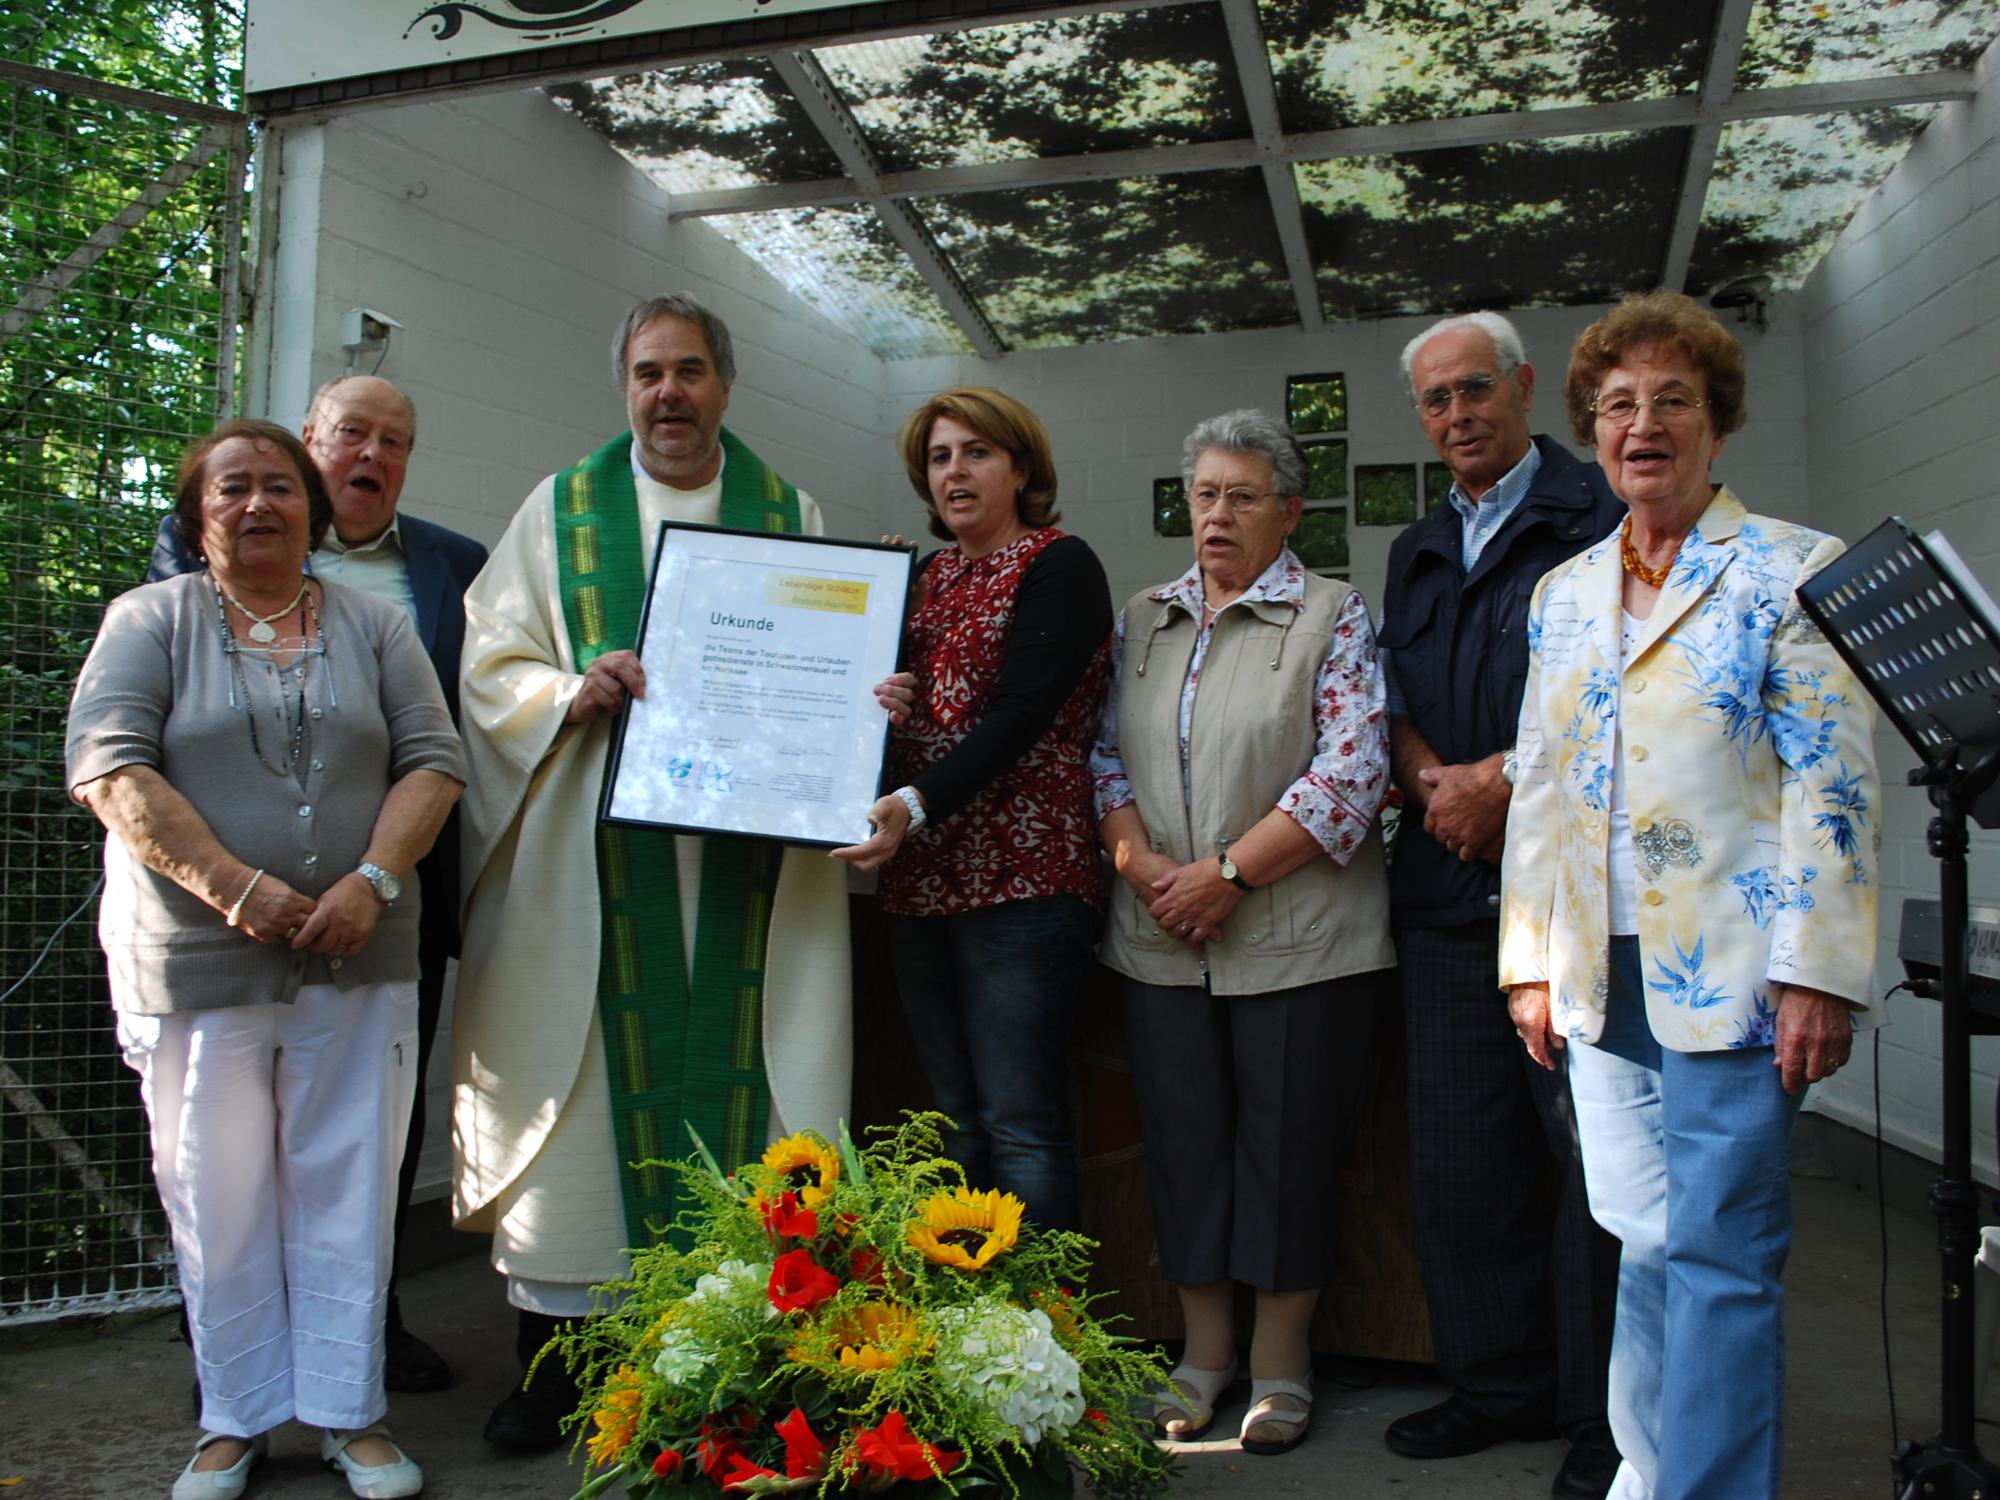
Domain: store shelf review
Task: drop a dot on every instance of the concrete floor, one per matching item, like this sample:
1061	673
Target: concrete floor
102	1411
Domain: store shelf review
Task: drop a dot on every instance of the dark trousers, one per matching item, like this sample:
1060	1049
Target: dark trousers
1521	1291
1249	1104
433	952
991	997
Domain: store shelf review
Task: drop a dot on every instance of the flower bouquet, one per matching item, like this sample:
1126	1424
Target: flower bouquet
859	1322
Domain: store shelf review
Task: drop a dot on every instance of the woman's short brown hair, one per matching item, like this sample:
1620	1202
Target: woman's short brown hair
1002	421
194	472
1656	318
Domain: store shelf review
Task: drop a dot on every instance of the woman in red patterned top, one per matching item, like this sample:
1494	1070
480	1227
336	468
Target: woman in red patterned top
988	846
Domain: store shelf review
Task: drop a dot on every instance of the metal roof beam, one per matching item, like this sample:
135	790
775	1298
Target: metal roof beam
834	120
1260	100
1326	145
1718	86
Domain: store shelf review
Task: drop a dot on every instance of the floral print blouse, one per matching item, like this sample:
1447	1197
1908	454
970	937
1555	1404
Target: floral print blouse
1335	800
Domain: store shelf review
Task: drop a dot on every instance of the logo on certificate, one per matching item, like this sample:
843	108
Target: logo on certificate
679	767
717	776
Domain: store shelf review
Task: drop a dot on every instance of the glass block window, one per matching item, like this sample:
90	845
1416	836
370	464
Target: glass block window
1437	486
1170	509
1320	539
1385	494
1317	403
1326	461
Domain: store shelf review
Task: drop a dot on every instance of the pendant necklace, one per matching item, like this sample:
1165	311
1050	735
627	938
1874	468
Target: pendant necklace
316	635
261	630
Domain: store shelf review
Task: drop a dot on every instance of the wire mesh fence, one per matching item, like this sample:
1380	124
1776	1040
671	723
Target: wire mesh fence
120	231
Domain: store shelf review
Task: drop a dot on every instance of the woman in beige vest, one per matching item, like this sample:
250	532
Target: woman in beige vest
1242	761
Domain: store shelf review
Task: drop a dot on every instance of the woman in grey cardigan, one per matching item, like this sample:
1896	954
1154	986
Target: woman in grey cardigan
270	754
1241	763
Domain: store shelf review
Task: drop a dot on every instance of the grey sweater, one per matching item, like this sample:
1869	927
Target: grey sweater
155	691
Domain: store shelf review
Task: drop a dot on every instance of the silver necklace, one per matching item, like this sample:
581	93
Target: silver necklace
260	629
242	683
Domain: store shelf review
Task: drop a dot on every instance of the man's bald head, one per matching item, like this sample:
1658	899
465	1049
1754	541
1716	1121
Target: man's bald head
359	431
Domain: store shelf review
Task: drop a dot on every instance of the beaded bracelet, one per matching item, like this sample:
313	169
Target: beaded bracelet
229	917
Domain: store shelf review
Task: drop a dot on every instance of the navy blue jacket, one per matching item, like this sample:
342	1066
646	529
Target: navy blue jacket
442	563
1460	655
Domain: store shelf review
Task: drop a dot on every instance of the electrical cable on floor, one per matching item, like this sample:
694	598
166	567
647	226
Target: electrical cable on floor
62	926
1882	1229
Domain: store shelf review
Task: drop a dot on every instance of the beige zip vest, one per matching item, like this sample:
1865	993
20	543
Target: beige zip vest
1251	736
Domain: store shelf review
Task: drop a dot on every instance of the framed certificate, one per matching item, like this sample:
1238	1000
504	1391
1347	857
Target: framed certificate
762	651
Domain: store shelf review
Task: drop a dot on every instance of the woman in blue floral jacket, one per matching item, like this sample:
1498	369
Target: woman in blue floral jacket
1689	890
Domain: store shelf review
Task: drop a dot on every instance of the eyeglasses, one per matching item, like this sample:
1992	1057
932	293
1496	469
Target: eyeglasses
1241	498
353	435
1621	410
1473	390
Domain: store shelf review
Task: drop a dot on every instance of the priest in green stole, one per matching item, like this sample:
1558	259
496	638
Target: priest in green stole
619	982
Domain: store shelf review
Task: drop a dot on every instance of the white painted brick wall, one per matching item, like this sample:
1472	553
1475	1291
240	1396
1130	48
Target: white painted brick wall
1902	342
509	241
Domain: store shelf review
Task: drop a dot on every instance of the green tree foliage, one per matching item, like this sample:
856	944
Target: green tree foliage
99	392
1371	62
1057	87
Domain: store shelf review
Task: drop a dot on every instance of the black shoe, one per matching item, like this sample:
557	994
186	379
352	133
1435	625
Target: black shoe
1453	1428
409	1364
531	1419
1589	1466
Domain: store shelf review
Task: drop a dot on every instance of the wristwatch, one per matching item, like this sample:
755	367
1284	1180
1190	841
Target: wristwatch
385	886
1510	766
1233	875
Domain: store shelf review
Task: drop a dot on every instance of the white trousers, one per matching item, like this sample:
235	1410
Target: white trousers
277	1134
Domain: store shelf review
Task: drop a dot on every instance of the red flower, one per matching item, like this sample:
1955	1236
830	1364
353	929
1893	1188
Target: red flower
799	1283
720	1442
866	1265
715	1452
786	1220
805	1453
742	1471
892	1450
1102	1419
668	1464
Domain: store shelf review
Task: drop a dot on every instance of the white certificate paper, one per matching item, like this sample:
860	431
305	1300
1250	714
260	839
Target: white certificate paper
761	652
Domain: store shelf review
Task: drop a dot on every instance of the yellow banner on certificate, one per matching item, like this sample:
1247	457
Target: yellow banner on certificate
839	596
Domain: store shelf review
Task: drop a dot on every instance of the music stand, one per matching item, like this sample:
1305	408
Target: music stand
1919	632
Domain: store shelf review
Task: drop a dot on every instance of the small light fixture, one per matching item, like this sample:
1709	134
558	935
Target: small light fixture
1749	295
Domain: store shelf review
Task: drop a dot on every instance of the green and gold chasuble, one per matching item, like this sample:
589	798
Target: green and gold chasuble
681	1050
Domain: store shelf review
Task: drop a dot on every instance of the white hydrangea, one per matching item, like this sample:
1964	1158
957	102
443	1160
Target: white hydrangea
682	1357
738	1285
739	1281
1007	1358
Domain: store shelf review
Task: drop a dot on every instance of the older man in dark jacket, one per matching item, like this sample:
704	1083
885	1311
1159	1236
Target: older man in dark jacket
1520	1299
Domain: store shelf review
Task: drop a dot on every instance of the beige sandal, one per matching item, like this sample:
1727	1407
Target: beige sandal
1185	1410
1292	1422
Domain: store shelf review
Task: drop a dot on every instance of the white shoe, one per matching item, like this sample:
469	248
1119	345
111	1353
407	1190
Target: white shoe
381	1482
220	1484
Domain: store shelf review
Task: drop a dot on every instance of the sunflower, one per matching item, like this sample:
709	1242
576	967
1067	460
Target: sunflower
877	1337
804	1164
967	1230
617	1416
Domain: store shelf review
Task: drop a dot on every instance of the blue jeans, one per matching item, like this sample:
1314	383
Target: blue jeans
1685	1158
990	994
